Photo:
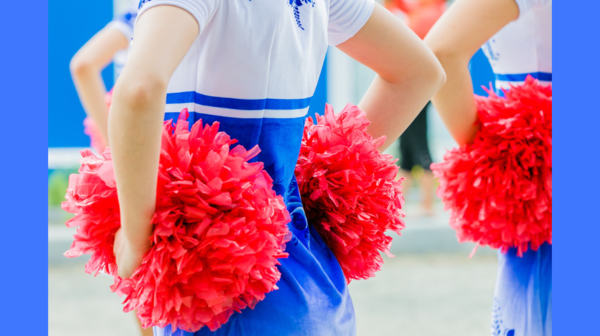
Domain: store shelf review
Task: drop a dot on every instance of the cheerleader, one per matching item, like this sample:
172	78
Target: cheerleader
516	36
109	44
253	66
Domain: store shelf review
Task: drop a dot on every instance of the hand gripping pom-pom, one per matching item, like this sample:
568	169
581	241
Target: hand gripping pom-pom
91	129
499	187
349	190
219	229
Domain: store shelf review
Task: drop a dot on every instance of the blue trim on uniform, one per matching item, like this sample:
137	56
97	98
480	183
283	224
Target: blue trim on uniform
237	104
543	76
127	18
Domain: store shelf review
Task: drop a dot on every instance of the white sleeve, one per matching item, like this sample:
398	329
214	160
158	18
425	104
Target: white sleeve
124	22
346	18
527	5
202	10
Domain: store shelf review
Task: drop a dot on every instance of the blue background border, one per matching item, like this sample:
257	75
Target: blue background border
24	93
576	260
71	24
23	204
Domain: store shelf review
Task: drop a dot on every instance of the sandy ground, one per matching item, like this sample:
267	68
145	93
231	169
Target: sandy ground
414	295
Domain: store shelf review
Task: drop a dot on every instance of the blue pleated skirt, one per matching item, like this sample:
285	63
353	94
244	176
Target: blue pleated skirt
312	299
523	295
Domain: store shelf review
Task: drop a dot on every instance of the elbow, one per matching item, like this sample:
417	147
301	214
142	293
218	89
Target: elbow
440	65
139	94
429	74
438	75
81	66
449	57
442	51
432	75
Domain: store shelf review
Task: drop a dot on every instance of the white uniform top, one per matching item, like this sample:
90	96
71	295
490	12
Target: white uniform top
124	24
253	68
258	59
524	46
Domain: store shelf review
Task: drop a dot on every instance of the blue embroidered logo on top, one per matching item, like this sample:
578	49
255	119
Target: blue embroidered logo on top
295	4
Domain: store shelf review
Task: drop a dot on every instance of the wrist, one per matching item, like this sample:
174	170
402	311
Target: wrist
137	248
137	233
138	244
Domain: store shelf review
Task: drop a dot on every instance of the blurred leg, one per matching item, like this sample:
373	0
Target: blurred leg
427	184
422	157
144	332
406	160
408	180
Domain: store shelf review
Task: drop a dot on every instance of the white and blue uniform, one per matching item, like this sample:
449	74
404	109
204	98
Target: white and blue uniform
253	68
524	46
123	22
523	295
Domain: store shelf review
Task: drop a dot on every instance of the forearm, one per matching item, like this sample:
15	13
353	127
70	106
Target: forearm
91	90
454	39
408	74
455	102
164	34
392	107
135	125
86	67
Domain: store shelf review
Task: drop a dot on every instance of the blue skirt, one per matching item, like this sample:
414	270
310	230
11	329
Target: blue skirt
312	298
523	295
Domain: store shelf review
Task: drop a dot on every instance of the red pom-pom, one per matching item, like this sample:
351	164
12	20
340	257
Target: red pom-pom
499	188
349	190
91	129
219	229
92	196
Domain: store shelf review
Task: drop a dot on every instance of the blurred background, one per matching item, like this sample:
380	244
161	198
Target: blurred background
431	287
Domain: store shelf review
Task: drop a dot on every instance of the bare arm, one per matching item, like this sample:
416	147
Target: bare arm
163	36
454	39
86	67
408	74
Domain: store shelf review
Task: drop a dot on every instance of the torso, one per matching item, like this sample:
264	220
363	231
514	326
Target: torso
254	68
259	84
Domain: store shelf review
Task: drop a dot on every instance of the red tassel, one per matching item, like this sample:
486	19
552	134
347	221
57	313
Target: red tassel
499	188
219	229
349	190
